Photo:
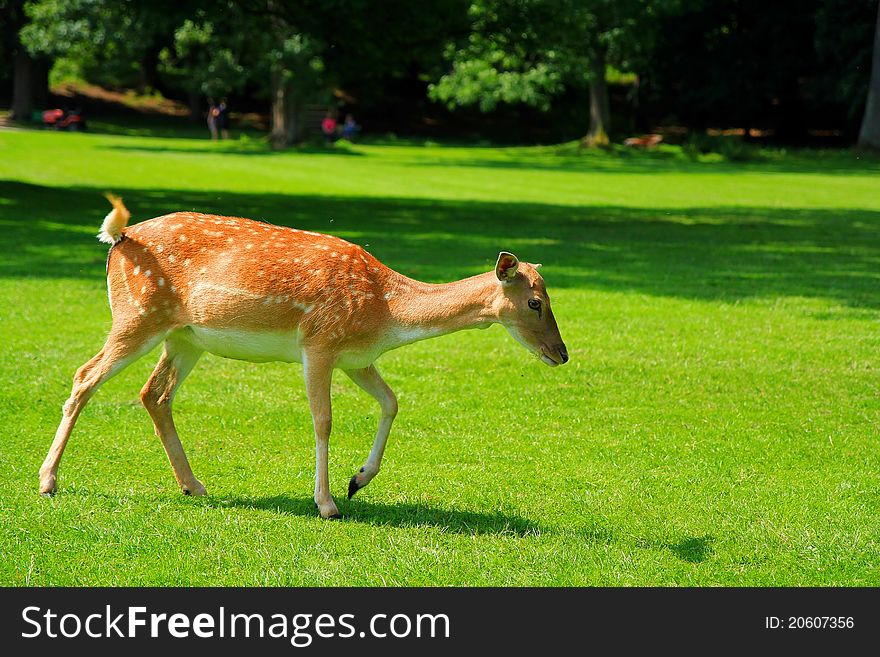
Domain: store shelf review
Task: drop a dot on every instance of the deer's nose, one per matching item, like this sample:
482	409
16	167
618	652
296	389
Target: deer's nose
563	352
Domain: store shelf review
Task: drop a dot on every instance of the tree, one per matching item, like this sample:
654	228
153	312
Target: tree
314	47
205	48
275	44
295	72
117	42
30	85
205	56
528	51
869	135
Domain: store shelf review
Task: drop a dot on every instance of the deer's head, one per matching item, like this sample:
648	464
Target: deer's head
524	309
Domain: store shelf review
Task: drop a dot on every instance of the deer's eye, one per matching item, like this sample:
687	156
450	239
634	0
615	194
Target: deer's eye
535	304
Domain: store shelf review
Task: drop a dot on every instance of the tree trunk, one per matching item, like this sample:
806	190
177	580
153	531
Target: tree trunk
286	112
30	87
23	86
278	136
869	136
600	113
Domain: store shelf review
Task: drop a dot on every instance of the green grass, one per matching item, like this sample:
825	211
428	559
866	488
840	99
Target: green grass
717	424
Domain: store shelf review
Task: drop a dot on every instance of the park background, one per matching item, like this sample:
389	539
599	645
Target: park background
718	291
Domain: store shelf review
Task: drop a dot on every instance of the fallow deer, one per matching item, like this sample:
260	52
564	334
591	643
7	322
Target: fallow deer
253	291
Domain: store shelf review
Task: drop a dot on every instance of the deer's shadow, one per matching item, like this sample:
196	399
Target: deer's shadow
397	515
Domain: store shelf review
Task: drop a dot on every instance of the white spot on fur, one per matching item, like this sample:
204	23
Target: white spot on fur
148	272
182	238
160	248
170	257
137	270
161	282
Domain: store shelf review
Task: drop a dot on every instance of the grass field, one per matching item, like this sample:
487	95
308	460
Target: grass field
717	423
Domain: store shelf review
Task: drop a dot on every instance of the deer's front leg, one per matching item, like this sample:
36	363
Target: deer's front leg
318	370
371	381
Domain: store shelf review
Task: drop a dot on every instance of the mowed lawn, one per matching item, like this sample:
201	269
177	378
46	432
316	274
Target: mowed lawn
717	424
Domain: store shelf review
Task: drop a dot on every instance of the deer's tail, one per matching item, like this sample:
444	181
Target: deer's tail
115	221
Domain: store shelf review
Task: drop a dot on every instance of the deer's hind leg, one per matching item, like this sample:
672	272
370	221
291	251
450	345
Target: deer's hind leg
177	361
123	347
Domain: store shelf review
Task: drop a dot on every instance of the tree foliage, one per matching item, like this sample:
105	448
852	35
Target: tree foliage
105	38
529	51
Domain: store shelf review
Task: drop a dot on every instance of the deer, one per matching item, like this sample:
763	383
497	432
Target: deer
255	291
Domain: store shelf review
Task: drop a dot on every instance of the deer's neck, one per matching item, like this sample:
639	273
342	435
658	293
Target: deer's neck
422	310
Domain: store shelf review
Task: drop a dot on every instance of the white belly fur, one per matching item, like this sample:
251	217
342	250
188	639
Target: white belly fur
254	346
267	346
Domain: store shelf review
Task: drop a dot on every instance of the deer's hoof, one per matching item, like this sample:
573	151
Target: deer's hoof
196	489
329	511
353	486
48	486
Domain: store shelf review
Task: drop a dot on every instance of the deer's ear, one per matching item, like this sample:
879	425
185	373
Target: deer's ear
506	266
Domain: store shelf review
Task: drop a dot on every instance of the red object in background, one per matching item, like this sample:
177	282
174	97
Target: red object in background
61	120
51	117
